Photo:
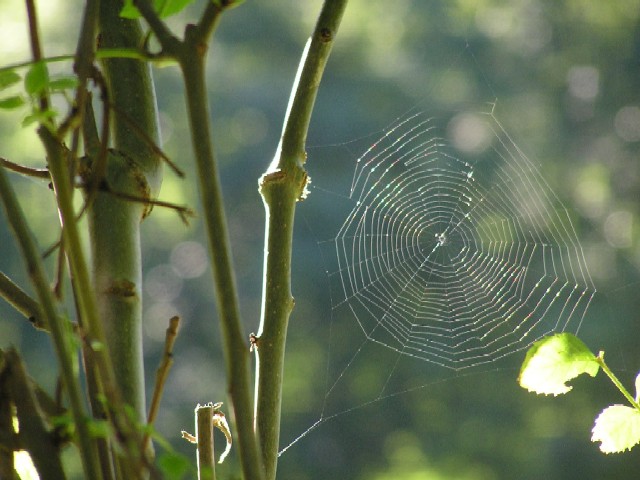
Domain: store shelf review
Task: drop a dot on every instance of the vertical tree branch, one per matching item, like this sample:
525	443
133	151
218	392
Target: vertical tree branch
114	222
191	55
281	187
236	348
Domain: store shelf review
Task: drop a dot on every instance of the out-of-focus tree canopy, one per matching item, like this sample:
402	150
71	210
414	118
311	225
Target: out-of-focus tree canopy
565	79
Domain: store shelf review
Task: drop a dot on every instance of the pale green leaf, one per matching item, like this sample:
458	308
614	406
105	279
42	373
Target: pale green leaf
617	428
164	8
552	361
12	102
39	116
8	78
64	83
36	79
637	388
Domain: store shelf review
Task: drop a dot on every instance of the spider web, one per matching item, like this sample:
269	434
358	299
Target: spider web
457	254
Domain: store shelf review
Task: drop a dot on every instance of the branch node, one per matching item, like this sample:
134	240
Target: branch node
326	35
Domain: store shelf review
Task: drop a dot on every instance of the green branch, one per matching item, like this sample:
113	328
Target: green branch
21	301
236	348
191	55
281	187
59	332
114	222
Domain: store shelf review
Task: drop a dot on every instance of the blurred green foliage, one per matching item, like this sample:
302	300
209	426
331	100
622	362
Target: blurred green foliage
565	76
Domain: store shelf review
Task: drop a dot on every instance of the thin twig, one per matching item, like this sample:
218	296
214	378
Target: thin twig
61	267
87	447
58	331
22	302
161	374
36	49
183	212
145	138
96	146
209	19
167	39
42	173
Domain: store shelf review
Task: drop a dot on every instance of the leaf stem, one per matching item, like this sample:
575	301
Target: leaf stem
41	173
616	382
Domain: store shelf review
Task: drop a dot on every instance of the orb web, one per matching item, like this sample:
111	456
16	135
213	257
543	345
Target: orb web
457	251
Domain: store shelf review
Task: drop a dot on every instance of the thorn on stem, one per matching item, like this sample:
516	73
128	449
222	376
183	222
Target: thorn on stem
253	342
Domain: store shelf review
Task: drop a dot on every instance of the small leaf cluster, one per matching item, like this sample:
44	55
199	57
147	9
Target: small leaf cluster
555	360
35	83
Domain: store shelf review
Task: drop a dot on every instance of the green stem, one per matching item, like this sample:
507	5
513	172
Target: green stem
236	348
85	300
204	435
281	187
191	55
59	333
616	382
22	302
114	222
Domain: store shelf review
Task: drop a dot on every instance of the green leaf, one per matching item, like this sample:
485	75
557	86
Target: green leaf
12	102
36	79
129	10
64	83
617	428
553	361
164	8
8	78
39	116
